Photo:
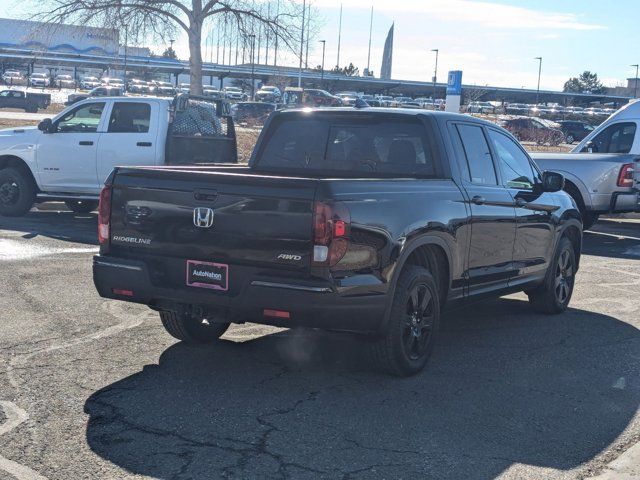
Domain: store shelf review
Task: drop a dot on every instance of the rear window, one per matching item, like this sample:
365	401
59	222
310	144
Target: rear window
343	144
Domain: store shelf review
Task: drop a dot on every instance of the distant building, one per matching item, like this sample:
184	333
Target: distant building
387	56
39	36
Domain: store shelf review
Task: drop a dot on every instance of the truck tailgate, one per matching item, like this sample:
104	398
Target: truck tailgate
213	216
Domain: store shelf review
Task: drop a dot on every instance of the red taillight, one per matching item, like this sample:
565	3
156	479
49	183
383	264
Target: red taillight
123	292
104	214
267	312
625	178
330	233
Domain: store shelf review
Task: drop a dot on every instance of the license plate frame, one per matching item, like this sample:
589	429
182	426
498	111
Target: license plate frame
210	270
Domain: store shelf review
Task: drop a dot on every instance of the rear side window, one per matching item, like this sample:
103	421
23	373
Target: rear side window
363	145
129	117
478	154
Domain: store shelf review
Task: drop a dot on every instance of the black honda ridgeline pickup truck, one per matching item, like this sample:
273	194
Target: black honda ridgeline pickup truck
359	220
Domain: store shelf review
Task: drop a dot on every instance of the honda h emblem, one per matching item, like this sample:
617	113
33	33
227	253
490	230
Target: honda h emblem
203	217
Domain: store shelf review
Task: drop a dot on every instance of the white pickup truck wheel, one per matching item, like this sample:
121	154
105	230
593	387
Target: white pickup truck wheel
17	192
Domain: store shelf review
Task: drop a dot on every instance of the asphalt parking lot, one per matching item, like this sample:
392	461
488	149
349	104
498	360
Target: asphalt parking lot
96	389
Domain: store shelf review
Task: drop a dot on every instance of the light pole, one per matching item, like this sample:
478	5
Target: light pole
435	76
324	44
253	44
635	82
539	73
304	11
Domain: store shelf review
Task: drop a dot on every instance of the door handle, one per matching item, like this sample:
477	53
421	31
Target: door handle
478	200
143	144
86	142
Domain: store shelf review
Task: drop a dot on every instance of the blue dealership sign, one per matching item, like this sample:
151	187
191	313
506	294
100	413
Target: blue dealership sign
454	82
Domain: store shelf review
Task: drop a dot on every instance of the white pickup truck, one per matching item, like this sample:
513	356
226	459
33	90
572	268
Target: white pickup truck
69	157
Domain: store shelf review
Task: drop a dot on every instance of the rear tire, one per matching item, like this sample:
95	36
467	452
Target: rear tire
17	192
190	329
81	206
554	295
413	323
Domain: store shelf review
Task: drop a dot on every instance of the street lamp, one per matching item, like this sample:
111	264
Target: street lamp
635	82
324	44
435	76
539	73
253	45
304	11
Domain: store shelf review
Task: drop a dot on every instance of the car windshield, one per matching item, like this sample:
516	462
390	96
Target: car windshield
346	144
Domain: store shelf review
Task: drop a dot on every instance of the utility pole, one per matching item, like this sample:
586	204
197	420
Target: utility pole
218	44
266	52
324	44
126	41
635	82
304	11
339	37
435	76
539	74
253	83
369	52
306	56
275	48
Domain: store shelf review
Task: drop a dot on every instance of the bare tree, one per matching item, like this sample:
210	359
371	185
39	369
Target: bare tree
161	18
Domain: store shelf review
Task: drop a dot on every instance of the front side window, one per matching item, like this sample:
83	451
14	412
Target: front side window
83	119
515	167
616	138
129	117
476	149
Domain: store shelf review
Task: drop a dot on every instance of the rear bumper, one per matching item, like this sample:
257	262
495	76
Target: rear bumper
358	307
616	202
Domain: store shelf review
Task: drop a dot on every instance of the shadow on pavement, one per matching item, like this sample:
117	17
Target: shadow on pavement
613	239
60	225
504	386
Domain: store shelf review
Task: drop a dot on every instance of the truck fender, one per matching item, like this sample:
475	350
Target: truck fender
17	162
407	249
579	184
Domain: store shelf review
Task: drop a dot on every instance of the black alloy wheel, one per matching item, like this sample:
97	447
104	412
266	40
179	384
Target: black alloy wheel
418	321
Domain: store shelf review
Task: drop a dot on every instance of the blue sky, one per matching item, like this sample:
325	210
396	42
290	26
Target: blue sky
494	42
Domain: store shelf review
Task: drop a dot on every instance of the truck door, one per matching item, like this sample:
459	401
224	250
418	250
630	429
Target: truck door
535	223
131	137
11	99
492	209
66	159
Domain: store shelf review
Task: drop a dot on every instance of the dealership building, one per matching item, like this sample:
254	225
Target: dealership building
82	50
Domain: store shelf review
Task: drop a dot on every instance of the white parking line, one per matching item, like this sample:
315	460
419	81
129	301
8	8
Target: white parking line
11	250
15	416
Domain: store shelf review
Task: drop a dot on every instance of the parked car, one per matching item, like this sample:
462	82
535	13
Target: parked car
481	107
269	94
574	130
89	83
387	101
234	93
603	170
79	147
347	98
164	89
353	220
309	97
115	82
29	102
252	113
64	81
528	129
13	77
517	109
136	85
186	87
213	92
96	92
39	80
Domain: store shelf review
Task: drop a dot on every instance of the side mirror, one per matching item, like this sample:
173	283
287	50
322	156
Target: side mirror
552	181
590	147
46	126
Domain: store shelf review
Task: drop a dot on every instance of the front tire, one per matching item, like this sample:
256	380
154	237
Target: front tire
81	206
554	295
413	323
17	192
190	329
